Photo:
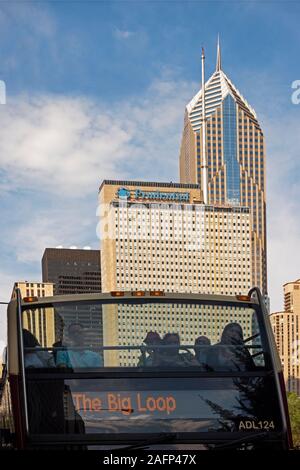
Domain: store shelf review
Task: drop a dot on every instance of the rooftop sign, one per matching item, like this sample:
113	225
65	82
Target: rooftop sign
124	193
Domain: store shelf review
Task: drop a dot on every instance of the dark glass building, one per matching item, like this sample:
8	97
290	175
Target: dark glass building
75	271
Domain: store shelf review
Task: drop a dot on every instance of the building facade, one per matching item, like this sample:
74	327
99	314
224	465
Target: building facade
41	324
162	236
286	328
223	150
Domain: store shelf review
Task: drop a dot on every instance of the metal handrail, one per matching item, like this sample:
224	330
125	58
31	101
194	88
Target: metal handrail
139	348
21	356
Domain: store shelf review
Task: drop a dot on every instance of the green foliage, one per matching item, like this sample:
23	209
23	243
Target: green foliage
294	411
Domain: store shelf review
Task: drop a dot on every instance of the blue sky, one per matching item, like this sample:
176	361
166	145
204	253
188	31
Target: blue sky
114	49
98	89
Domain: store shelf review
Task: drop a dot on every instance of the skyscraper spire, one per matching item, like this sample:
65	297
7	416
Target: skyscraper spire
218	65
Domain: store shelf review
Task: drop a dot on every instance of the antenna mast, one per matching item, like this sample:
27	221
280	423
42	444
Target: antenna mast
204	158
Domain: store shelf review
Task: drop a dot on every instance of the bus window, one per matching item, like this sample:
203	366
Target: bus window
163	335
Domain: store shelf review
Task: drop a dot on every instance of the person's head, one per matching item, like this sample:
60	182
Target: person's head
201	341
152	339
171	339
76	333
29	340
232	334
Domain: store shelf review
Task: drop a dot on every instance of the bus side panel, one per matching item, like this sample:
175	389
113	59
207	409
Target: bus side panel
18	412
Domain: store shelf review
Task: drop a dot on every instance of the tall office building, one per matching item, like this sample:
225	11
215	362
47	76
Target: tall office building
223	150
75	271
286	328
41	324
162	236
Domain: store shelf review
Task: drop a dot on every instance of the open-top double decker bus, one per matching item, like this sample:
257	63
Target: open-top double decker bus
142	370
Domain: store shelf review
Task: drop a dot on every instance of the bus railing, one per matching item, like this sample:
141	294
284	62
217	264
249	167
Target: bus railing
136	348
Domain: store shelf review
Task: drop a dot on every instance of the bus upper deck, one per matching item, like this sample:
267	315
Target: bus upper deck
124	368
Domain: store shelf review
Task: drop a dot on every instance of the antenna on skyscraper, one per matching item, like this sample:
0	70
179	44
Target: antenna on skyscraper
204	164
219	63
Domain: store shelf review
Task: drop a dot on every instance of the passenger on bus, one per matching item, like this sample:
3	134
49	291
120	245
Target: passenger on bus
152	359
76	355
233	334
231	353
171	356
202	345
36	358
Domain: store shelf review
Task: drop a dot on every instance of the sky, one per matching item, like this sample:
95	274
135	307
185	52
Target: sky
98	89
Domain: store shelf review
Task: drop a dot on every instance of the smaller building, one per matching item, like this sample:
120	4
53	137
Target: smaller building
33	289
286	328
40	323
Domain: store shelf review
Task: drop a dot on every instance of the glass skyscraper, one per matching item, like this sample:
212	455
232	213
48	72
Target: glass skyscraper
232	161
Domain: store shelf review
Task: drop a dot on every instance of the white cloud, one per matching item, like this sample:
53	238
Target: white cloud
123	34
67	145
59	144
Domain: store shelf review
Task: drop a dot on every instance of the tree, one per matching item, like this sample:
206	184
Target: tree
294	412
